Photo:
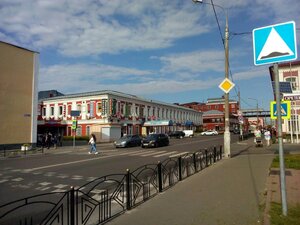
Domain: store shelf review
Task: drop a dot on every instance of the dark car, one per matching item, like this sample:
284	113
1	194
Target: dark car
176	134
155	140
128	141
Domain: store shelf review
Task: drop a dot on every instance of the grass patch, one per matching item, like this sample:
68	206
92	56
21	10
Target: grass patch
293	217
290	161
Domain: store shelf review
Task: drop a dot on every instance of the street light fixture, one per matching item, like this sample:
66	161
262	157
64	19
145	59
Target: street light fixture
226	48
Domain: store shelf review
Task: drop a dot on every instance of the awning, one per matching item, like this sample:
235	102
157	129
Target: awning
188	123
158	123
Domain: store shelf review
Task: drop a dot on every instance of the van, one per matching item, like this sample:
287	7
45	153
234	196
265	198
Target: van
189	133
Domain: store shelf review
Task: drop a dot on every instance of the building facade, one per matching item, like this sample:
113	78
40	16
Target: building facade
111	114
19	69
214	113
289	72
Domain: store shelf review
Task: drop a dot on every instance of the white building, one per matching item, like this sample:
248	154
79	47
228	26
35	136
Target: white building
110	114
289	72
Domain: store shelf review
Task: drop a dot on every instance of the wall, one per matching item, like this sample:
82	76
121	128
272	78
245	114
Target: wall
17	94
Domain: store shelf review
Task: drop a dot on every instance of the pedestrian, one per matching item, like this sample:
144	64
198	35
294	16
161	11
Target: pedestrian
257	134
48	140
267	135
92	142
55	141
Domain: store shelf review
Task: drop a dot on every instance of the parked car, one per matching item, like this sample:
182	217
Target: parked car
176	134
128	141
209	132
155	140
189	133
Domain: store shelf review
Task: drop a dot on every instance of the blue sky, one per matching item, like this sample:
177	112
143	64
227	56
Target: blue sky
169	51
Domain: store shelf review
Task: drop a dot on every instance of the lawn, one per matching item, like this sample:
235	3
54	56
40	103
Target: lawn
293	217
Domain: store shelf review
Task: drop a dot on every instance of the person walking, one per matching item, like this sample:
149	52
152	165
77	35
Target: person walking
267	135
92	142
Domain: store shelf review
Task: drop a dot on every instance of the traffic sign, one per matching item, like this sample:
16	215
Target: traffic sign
275	43
285	109
226	85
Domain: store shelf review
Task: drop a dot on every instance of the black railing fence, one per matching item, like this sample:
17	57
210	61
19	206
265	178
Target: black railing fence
106	197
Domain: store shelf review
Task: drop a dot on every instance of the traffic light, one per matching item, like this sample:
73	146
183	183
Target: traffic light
74	124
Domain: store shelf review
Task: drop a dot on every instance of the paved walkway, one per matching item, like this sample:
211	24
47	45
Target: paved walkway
231	192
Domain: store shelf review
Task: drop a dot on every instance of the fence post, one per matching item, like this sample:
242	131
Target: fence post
128	194
72	206
195	163
206	158
160	182
221	151
179	169
215	154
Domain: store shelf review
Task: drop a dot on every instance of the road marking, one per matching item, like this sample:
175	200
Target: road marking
168	153
141	153
154	153
181	153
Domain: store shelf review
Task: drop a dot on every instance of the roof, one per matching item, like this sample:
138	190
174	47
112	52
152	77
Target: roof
116	93
18	47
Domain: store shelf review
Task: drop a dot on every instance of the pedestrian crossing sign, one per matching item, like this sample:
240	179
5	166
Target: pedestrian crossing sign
275	43
285	110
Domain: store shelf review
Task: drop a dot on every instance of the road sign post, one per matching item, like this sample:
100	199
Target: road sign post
273	44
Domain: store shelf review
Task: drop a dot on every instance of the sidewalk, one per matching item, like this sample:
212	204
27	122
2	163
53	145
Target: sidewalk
231	192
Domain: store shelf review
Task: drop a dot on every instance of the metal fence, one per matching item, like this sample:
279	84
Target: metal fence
106	197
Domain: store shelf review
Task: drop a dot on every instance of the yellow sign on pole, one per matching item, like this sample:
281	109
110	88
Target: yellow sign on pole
226	85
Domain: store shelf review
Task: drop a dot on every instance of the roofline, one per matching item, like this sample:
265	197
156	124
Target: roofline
19	47
116	93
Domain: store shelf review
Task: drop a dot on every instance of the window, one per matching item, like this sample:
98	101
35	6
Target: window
60	110
293	81
88	108
79	131
99	107
88	131
79	107
44	112
104	107
52	111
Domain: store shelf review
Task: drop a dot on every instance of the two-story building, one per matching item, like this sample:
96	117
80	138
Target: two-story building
110	114
289	72
214	113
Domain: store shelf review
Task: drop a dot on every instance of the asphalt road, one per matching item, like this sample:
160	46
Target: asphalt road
58	170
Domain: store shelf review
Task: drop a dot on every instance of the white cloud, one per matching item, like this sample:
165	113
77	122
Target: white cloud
194	62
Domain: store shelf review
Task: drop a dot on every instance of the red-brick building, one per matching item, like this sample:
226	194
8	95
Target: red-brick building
214	113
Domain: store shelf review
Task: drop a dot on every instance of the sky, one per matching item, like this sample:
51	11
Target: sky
170	51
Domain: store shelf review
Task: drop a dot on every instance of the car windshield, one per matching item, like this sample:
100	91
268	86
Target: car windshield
151	137
125	138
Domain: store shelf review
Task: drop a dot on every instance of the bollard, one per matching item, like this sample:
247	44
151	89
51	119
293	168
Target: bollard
179	169
206	158
195	163
215	154
160	182
221	151
128	195
72	206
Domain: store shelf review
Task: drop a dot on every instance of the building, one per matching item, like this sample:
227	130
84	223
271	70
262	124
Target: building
19	69
214	113
111	114
289	72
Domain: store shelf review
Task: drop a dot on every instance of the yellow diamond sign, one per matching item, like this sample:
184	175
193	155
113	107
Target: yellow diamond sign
226	85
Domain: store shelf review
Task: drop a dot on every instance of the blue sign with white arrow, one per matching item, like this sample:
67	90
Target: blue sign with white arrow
275	43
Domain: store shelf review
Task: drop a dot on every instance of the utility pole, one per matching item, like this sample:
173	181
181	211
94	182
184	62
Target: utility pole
227	122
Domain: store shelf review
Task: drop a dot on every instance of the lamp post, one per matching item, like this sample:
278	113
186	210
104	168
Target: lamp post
226	48
256	109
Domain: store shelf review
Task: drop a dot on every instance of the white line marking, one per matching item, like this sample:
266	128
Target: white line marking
181	153
168	153
154	153
141	153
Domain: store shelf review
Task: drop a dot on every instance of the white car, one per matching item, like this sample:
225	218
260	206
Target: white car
209	132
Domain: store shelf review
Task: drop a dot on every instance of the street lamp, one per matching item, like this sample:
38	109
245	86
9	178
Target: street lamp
226	48
256	109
